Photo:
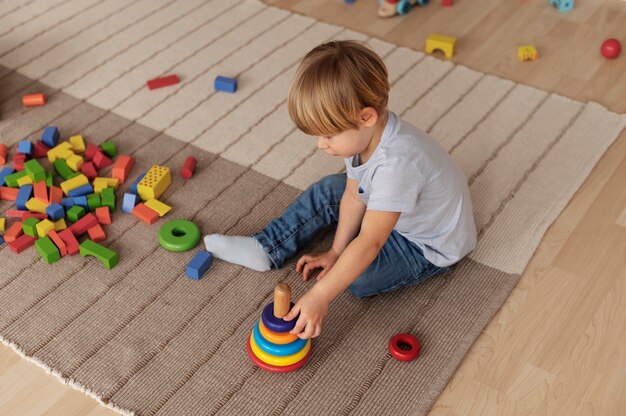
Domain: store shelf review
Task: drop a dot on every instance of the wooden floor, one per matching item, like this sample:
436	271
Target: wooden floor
557	345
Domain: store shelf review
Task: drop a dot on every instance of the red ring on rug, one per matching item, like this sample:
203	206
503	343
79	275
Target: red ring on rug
273	368
404	355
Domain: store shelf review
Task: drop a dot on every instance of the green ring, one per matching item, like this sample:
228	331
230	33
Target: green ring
179	235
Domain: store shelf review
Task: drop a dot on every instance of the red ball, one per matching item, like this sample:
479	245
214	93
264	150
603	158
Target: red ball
611	48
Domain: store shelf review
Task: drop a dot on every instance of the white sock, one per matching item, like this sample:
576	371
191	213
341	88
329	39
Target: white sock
245	251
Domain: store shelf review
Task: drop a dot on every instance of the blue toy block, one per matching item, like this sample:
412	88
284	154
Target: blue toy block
67	203
81	190
225	84
81	201
130	200
25	147
55	212
562	5
133	189
1	240
199	264
50	136
23	195
6	171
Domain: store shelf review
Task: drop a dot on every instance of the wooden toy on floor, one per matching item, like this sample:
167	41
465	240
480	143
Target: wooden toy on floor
179	235
166	81
225	84
562	5
189	167
156	181
271	346
441	42
611	48
389	8
411	346
31	100
199	265
527	53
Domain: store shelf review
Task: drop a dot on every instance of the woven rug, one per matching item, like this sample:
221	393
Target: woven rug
143	338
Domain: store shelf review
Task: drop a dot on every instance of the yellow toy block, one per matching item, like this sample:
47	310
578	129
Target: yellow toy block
441	42
44	227
156	181
60	225
158	206
527	53
35	205
2	224
100	183
78	144
76	182
74	162
61	151
24	180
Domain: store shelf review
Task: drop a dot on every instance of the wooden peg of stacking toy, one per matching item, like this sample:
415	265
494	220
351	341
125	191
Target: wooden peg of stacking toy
271	346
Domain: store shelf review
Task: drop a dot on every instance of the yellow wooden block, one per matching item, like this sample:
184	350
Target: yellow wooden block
60	225
527	53
76	182
44	227
35	205
158	206
441	42
156	181
78	144
24	180
62	150
2	224
74	162
100	183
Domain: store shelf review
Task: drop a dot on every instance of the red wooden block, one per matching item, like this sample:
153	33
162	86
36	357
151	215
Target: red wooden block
18	161
58	241
31	100
15	213
96	233
189	167
28	215
145	214
70	241
81	226
91	150
163	82
13	232
8	194
446	3
21	243
89	170
100	160
122	167
103	215
4	151
56	195
41	150
40	191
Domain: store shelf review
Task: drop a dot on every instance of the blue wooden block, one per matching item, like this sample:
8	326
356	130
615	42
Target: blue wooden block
81	190
50	136
225	84
25	147
67	203
133	189
55	212
23	195
1	240
82	202
6	171
199	264
130	200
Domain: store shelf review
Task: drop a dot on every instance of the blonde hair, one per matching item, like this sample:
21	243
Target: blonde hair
333	83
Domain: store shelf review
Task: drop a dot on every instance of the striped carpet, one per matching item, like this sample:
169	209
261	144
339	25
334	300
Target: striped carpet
143	338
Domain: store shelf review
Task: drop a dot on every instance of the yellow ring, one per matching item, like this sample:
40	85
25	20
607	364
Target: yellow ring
276	337
276	360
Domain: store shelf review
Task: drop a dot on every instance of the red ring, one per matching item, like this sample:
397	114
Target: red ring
274	368
400	354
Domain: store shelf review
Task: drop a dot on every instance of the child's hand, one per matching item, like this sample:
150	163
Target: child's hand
310	262
312	308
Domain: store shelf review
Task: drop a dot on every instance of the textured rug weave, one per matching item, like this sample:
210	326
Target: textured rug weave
143	338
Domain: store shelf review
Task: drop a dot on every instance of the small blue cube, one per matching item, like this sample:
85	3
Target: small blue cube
130	200
25	147
50	136
199	264
225	84
55	211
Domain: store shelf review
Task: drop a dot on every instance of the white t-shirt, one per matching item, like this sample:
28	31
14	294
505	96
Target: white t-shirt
409	172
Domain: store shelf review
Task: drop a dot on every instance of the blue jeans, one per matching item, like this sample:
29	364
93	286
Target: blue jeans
399	263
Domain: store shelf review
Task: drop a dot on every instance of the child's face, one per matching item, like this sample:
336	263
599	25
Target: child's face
351	142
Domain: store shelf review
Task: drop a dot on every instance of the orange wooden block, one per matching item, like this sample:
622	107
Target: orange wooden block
13	232
145	214
21	243
70	242
96	233
56	195
8	194
40	191
4	151
122	167
31	100
103	215
58	241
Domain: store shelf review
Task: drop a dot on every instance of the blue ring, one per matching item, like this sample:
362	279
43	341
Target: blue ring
275	349
277	324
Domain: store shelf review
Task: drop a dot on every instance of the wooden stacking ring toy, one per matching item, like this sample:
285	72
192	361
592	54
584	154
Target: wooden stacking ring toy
179	235
276	337
401	354
276	324
281	350
273	368
277	360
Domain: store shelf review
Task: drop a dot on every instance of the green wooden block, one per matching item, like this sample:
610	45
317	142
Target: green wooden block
49	179
29	226
11	180
109	148
48	251
64	171
107	197
93	201
107	257
35	170
75	213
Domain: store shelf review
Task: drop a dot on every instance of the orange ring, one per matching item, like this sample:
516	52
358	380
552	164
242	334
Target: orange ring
275	337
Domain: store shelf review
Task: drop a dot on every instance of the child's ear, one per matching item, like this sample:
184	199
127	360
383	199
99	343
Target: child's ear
369	117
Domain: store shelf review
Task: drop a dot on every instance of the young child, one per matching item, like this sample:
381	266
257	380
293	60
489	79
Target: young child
403	210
